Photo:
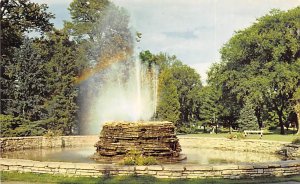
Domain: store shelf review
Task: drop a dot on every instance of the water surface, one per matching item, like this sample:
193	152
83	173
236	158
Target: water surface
194	155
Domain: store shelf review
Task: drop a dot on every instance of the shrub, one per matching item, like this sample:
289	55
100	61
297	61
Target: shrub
296	140
135	157
53	133
235	136
18	127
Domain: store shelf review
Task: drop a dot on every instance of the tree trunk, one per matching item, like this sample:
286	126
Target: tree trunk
298	122
281	124
259	118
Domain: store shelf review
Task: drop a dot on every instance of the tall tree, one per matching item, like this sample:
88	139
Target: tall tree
247	119
62	69
17	17
261	62
296	99
188	84
168	104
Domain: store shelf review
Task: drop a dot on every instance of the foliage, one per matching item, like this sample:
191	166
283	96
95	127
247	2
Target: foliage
18	127
188	84
188	129
43	91
296	104
247	119
135	157
261	64
84	15
168	104
178	83
17	17
235	136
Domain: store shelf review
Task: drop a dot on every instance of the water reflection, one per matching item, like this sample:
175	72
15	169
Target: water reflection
194	155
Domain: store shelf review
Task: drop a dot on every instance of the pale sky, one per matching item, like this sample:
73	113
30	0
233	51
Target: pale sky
193	30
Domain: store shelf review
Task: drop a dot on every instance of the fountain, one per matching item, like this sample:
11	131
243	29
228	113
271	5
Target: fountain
154	138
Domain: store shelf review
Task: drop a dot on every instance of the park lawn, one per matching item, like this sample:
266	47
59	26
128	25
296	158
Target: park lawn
47	178
268	136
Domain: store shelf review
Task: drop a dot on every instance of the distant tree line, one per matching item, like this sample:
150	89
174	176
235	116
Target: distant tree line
255	85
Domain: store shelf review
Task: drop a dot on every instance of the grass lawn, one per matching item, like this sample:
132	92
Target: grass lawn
47	178
267	136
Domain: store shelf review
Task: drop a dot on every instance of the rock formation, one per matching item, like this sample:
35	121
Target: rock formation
157	139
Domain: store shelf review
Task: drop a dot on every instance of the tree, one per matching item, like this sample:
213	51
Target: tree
43	91
17	17
168	104
186	80
247	119
261	63
162	60
188	85
296	99
61	69
84	15
27	72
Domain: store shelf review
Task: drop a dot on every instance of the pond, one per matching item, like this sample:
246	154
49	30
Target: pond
195	155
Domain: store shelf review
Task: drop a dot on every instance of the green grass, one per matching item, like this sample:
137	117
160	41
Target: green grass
267	136
47	178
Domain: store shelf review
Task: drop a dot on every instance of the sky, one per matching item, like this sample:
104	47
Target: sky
193	30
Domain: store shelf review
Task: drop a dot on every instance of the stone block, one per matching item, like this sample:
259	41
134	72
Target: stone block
273	165
173	168
245	167
27	169
198	168
164	173
54	164
62	171
141	172
85	170
9	162
151	172
155	168
260	166
40	164
64	165
25	163
226	172
71	171
176	174
290	164
191	175
3	167
141	168
15	168
224	167
85	166
260	171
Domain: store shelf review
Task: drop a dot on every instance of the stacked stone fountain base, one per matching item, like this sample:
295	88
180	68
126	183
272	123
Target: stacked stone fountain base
157	139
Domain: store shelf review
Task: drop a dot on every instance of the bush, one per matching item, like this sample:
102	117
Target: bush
235	136
296	140
53	133
18	127
184	129
135	157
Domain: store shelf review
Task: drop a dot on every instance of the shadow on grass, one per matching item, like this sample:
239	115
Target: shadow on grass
145	179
